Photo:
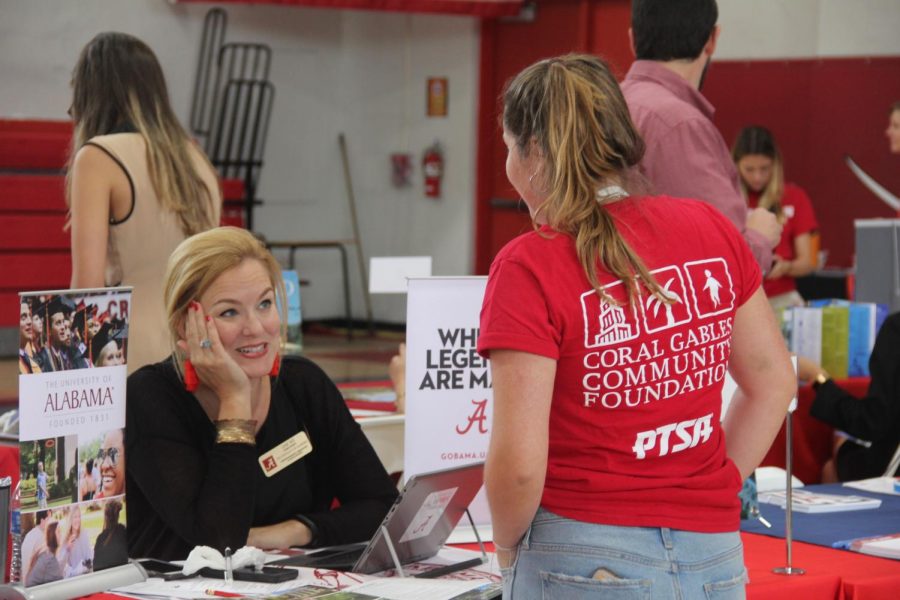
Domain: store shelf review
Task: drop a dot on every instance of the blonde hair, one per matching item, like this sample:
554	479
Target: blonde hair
759	140
201	259
570	108
118	84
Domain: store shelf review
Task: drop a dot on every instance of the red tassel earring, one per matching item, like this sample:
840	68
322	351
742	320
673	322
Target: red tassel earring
191	381
276	366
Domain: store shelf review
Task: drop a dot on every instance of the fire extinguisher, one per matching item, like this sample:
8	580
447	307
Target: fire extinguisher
433	170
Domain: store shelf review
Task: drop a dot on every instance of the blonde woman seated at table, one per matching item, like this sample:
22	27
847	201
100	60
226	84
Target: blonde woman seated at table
205	439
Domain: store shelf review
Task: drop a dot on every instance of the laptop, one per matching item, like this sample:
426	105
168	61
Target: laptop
419	523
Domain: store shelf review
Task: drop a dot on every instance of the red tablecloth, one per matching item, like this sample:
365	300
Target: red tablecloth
813	439
837	574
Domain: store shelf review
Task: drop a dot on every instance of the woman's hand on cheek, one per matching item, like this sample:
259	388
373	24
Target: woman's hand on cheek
215	368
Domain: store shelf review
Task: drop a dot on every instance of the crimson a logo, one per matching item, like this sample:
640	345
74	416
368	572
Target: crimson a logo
479	415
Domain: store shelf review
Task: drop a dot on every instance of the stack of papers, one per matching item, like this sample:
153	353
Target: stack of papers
879	485
814	502
885	546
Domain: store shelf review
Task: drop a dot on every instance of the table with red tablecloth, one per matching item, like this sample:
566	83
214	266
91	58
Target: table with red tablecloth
838	574
813	439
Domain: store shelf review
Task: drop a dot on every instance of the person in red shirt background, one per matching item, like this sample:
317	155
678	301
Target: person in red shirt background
762	180
893	129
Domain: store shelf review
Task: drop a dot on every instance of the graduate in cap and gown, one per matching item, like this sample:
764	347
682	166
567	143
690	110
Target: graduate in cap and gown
59	354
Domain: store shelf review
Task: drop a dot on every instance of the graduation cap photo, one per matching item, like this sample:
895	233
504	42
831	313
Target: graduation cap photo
108	346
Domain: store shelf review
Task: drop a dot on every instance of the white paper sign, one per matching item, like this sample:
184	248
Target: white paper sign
389	274
448	385
729	388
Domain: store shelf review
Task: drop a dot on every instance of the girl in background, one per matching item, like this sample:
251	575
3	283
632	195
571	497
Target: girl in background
762	180
137	183
76	555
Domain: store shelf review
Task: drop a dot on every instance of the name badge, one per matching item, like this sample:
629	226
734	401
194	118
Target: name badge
285	454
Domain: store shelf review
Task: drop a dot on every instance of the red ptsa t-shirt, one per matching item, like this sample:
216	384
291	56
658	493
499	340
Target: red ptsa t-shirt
798	218
635	437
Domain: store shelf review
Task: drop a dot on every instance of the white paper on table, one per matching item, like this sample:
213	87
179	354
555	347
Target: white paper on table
400	588
772	479
197	586
879	485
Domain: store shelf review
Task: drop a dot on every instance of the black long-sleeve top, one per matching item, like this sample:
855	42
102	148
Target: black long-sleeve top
184	489
876	417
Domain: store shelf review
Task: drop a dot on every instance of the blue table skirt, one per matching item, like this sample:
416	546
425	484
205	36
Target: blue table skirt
830	529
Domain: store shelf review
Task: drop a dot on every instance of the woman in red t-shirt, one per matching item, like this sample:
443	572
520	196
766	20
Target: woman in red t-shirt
762	180
610	329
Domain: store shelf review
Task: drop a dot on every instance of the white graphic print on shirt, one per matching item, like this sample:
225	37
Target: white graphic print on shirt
659	315
634	357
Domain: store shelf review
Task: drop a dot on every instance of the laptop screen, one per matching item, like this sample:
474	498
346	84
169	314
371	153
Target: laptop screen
423	517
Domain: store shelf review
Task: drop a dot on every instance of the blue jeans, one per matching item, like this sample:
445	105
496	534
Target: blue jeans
560	558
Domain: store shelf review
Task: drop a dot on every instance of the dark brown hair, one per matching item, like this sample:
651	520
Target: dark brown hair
111	511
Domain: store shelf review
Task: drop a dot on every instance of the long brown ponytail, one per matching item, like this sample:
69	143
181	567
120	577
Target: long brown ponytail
572	110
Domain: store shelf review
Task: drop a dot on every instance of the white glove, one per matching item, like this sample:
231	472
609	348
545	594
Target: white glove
204	556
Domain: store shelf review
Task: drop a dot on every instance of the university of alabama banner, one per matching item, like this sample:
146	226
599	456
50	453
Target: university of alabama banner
448	385
73	348
478	8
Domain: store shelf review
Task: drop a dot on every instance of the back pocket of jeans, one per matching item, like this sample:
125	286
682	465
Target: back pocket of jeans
729	589
556	586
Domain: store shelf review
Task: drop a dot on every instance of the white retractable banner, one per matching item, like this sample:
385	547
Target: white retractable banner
448	385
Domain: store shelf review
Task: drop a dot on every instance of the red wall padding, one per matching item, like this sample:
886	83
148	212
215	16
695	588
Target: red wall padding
819	110
32	193
32	232
32	271
26	144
